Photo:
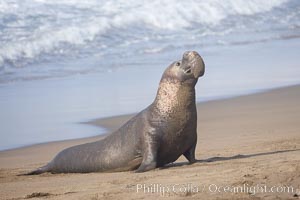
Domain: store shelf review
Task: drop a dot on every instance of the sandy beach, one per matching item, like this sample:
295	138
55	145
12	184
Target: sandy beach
245	145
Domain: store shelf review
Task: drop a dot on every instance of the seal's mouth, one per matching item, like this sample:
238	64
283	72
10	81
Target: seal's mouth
188	70
192	63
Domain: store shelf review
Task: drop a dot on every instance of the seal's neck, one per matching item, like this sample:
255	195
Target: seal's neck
173	96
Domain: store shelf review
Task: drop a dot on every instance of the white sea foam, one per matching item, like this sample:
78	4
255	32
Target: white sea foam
33	29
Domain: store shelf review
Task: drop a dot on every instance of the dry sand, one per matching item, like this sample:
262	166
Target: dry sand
242	142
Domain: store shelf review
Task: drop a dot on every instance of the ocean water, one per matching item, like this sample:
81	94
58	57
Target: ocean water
53	38
63	62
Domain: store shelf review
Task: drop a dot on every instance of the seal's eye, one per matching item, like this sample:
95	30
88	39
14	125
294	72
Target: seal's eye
177	64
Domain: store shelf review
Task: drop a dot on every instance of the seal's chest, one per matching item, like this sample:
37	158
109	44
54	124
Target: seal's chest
179	125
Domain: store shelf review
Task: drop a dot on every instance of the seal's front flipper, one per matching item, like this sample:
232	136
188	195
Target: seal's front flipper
190	154
149	160
150	153
146	167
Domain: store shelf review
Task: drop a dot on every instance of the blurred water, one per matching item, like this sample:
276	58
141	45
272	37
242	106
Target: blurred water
52	38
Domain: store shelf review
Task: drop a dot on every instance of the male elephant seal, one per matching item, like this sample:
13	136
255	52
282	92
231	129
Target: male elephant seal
156	136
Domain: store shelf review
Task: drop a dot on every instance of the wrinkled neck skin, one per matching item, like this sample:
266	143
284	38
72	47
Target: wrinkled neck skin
173	97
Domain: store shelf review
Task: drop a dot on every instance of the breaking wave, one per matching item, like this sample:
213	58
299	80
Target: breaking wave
35	33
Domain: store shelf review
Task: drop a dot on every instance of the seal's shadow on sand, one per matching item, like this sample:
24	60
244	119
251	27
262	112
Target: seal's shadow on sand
239	156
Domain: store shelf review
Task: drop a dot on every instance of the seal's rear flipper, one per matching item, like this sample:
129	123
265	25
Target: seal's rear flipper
37	171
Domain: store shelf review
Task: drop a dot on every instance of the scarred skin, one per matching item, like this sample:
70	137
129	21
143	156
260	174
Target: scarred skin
153	138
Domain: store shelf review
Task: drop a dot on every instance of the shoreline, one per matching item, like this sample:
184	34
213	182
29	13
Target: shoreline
108	124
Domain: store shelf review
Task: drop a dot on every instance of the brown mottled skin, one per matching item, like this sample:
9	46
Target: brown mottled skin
156	136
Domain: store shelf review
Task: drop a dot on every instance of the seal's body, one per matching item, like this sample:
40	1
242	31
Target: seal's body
156	136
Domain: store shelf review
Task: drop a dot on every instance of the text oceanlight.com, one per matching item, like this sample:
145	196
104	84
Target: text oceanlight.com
213	188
